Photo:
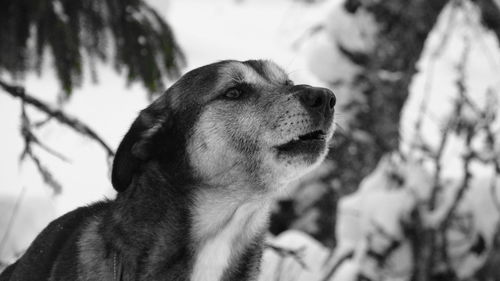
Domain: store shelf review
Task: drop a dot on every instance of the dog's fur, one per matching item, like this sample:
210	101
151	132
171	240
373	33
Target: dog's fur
195	176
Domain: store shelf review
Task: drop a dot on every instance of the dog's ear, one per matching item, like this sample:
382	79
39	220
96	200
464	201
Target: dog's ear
136	147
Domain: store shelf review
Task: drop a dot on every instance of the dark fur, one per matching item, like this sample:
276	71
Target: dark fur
145	234
56	244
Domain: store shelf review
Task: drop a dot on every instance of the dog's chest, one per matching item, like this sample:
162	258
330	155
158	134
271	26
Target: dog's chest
223	232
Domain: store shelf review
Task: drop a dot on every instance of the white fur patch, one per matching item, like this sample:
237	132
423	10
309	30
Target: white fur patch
223	226
209	142
239	72
274	72
93	263
250	75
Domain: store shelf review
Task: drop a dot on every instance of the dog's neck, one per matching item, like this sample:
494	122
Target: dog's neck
223	228
206	233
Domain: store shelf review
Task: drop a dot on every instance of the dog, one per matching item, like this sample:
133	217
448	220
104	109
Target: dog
196	175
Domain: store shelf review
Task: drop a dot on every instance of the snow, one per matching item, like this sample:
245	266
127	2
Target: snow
435	83
370	218
322	53
276	267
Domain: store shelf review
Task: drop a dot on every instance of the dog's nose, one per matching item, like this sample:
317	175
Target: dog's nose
315	98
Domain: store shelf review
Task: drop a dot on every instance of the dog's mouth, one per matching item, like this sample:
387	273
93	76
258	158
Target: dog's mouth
310	143
316	135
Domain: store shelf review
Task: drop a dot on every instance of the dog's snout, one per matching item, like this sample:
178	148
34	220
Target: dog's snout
315	98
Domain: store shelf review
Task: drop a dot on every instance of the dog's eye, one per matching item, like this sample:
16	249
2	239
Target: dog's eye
233	93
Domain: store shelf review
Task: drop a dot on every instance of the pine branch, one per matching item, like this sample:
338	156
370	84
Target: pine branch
128	34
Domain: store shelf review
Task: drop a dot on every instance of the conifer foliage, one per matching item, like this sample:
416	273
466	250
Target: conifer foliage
127	33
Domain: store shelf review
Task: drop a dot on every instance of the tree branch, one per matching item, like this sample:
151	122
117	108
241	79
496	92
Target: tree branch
29	138
296	254
59	115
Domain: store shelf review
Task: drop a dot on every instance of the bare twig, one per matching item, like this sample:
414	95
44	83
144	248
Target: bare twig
29	139
337	264
463	187
296	254
59	115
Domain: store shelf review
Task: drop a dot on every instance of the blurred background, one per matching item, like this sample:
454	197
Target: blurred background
410	189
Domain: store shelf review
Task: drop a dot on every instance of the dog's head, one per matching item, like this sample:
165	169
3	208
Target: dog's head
229	123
